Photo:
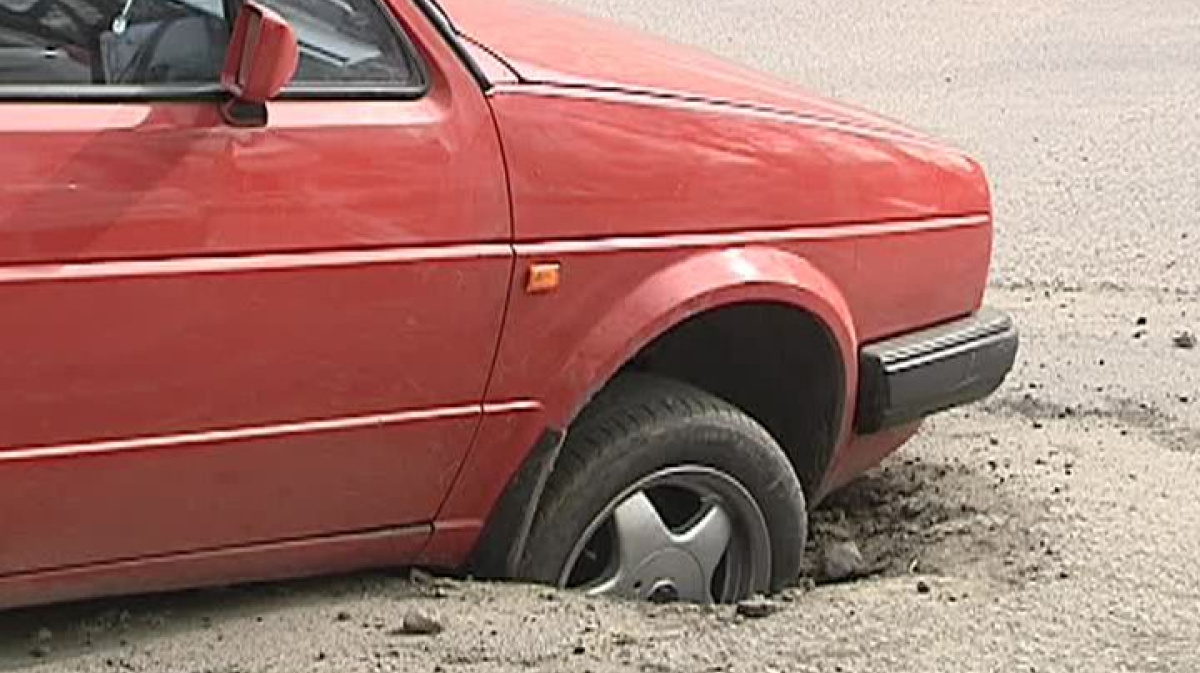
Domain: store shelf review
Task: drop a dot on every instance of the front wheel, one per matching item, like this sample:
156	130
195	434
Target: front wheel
664	492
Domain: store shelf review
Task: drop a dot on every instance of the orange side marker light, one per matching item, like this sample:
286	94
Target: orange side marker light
543	277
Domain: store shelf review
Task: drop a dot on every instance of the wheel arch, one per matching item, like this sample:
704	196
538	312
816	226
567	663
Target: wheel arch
693	291
696	291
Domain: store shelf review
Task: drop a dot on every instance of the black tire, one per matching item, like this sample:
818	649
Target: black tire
641	424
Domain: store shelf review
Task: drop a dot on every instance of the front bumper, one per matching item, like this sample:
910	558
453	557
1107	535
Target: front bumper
914	375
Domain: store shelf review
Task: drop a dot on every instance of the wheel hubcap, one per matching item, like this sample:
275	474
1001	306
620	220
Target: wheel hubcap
691	534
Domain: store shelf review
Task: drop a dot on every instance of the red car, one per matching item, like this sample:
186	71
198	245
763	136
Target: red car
488	287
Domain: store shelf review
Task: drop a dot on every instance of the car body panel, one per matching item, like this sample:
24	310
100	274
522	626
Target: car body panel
620	172
98	181
859	453
218	567
218	336
549	44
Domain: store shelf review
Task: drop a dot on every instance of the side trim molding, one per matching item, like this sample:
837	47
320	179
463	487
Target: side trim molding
791	234
260	432
181	266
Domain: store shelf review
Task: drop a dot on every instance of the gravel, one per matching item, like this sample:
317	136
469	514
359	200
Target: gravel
841	561
418	624
756	608
1054	527
1185	340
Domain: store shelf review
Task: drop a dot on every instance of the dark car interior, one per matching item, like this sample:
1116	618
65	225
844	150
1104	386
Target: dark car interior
182	42
110	42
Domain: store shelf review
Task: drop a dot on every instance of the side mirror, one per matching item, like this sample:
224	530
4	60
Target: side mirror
259	63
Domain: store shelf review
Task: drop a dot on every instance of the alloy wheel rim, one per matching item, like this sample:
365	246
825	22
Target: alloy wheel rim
689	533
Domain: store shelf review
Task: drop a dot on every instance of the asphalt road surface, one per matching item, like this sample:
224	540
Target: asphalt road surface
1055	527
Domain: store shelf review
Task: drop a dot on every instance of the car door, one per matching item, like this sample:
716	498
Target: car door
213	337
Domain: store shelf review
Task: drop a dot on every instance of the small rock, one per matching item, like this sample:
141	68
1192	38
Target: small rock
320	656
1185	340
417	624
623	639
923	587
757	608
579	649
960	526
1142	321
418	576
841	561
836	531
342	616
39	652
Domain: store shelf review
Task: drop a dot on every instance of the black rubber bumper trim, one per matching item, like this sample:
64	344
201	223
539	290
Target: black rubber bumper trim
501	546
918	374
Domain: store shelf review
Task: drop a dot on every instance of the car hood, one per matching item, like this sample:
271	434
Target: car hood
549	45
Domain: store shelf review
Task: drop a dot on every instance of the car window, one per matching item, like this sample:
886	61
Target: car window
345	43
97	43
80	42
